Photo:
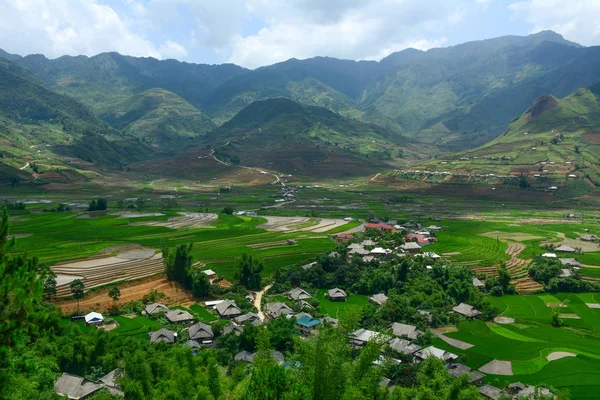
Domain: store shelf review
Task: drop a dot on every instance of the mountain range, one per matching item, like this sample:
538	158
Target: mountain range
410	105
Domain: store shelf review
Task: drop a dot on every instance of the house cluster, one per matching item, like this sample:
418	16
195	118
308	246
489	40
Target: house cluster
514	391
417	238
77	387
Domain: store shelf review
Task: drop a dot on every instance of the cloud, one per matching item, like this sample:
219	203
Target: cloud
575	20
344	29
60	27
171	49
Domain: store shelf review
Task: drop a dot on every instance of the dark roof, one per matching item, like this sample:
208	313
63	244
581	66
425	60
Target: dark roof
162	335
409	331
466	310
233	327
179	316
379	298
299	294
110	378
248	317
491	392
154	308
461	369
75	387
228	308
336	292
201	331
275	310
192	344
403	346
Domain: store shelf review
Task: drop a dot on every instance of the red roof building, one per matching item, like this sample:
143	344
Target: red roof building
381	227
343	237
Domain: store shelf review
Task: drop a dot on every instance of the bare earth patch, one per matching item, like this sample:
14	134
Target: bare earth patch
497	367
445	329
593	305
298	224
187	220
569	316
554	305
518	236
557	355
504	320
459	344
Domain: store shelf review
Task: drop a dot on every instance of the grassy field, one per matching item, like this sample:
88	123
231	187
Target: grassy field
338	309
528	342
54	237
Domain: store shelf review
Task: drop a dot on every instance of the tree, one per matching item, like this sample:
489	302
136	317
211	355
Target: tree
101	204
114	293
214	381
20	289
249	272
227	210
200	284
49	283
178	263
77	288
140	204
93	206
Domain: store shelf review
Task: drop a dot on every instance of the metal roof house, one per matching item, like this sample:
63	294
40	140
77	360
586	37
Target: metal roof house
94	318
307	324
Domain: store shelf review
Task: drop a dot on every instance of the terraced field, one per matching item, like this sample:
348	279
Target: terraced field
535	351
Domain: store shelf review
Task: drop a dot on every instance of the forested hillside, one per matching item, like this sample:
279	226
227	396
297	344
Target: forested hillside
461	96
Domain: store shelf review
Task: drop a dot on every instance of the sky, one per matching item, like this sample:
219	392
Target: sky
254	33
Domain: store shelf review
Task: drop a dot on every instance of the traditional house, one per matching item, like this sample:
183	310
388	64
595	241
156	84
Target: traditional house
378	299
362	336
155	308
302	304
381	227
336	294
298	294
360	251
250	317
248	357
405	330
521	391
380	252
233	327
307	324
477	283
466	310
76	387
176	316
193	344
421	240
588	238
475	377
570	262
432	351
110	381
210	305
343	238
94	318
210	274
490	392
565	249
411	247
163	336
403	346
368	242
202	333
565	273
275	310
228	309
331	321
427	315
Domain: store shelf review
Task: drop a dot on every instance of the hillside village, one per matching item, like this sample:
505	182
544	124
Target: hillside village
400	342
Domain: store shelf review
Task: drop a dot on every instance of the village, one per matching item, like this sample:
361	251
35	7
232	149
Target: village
400	342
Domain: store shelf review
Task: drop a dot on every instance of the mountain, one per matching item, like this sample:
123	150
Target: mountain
459	97
292	138
556	142
159	118
45	134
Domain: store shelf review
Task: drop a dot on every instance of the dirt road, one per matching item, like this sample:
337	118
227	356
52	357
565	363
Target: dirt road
257	299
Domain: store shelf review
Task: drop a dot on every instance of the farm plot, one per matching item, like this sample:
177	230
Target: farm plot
188	220
304	224
531	346
339	309
96	272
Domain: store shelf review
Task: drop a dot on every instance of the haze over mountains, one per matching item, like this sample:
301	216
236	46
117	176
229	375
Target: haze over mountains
452	99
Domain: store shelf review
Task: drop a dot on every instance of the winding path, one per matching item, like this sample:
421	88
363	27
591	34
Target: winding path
257	300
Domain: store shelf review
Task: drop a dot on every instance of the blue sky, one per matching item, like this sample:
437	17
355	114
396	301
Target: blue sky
253	33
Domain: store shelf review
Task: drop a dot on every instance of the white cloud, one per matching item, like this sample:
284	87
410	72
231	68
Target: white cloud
59	27
171	49
575	20
345	29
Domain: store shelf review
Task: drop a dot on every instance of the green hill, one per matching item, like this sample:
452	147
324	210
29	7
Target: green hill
47	135
160	118
286	136
556	142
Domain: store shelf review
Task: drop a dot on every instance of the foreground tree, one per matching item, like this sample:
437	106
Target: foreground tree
49	283
249	272
114	293
77	288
